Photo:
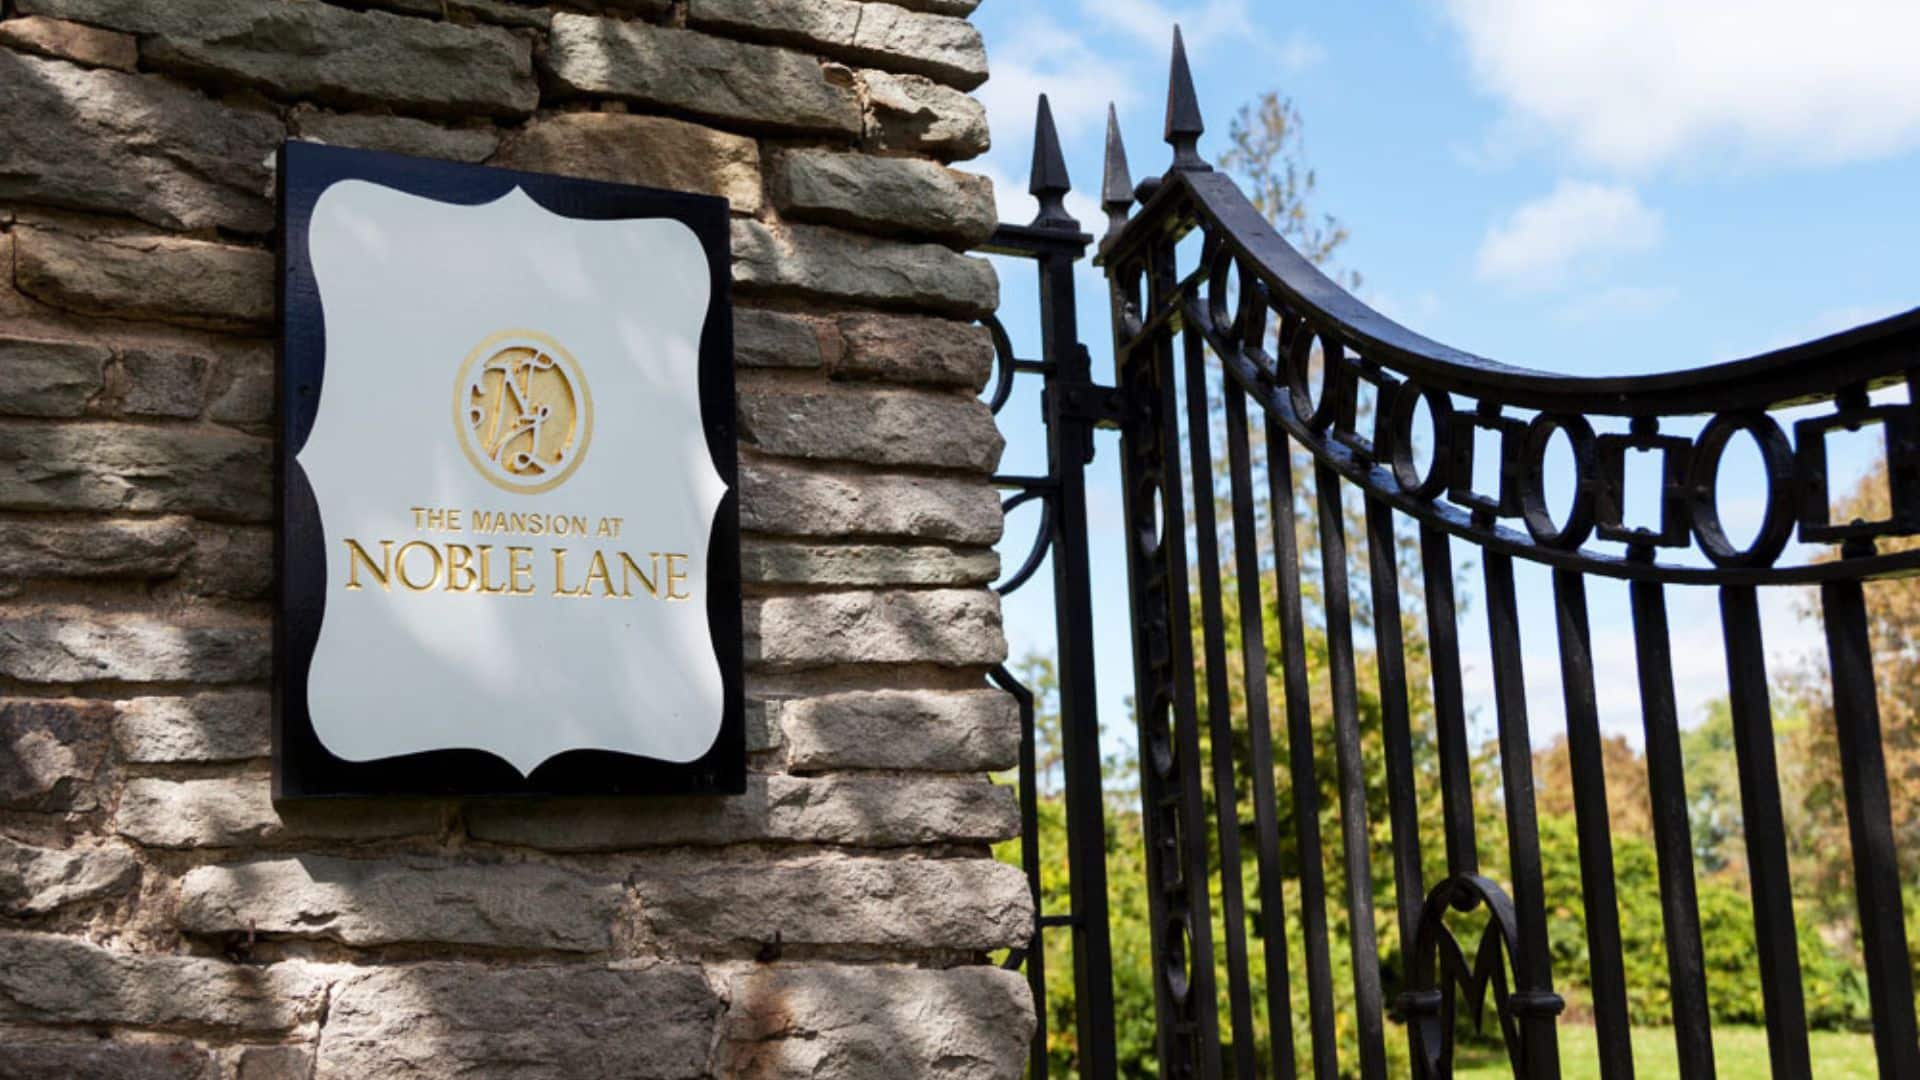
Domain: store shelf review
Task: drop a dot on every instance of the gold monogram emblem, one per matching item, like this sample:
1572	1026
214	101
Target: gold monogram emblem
522	411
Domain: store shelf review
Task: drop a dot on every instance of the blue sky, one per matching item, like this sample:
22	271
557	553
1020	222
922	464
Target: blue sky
1592	187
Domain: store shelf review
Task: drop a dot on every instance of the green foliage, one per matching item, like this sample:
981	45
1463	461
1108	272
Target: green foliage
1836	995
1128	921
1265	152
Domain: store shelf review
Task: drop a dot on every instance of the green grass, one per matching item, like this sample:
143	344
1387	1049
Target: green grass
1737	1051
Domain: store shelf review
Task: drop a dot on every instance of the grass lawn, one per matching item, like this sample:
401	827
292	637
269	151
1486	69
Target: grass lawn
1738	1051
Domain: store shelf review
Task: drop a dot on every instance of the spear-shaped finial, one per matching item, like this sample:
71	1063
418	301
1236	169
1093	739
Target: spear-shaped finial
1184	125
1116	185
1048	181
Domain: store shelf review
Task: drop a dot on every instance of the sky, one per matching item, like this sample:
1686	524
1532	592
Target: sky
1577	187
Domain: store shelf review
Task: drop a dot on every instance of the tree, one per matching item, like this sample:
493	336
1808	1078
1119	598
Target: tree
1628	802
1820	846
1269	155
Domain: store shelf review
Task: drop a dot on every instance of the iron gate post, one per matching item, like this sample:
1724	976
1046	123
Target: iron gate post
1073	407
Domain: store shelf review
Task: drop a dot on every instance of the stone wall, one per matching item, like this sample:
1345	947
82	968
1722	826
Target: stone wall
158	915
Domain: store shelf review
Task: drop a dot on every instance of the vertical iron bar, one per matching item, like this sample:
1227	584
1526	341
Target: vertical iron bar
1403	807
1607	972
1253	655
1036	958
1160	802
1069	448
1672	835
1776	941
1353	779
1449	705
1205	1006
1533	966
1306	785
1219	709
1863	766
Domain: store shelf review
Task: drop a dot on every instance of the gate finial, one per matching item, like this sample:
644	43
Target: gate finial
1184	126
1116	185
1048	181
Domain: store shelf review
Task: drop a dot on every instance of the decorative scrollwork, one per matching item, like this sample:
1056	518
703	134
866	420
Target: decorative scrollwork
1042	537
1533	480
1276	321
1776	455
1026	489
1438	968
1308	355
1005	365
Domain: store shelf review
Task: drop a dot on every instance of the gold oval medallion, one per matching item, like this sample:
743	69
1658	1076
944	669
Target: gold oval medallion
522	412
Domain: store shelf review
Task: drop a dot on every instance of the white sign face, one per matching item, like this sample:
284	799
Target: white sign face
513	480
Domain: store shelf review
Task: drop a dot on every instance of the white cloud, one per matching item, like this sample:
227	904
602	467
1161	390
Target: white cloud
1300	52
1637	84
1578	224
1151	24
1046	59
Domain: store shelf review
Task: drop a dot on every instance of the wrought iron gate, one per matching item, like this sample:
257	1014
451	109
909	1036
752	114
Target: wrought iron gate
1254	318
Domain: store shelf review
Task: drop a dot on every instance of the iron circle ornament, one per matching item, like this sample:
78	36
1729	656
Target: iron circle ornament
1776	458
1226	293
1129	294
1406	471
1173	960
1533	480
1161	753
1151	518
1256	303
1320	415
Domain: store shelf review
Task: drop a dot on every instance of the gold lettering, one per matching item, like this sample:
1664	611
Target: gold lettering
578	524
482	521
400	565
560	575
486	576
630	570
597	569
674	576
460	561
516	568
357	557
419	516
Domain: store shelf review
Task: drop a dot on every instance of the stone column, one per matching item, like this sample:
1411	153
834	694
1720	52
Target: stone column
158	916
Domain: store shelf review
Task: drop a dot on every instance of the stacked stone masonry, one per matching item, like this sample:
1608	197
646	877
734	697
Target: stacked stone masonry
159	915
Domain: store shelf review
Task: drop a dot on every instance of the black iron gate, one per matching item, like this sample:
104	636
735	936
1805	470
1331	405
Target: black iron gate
1314	369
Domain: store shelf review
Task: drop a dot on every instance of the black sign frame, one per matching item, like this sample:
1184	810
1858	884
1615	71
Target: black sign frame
303	768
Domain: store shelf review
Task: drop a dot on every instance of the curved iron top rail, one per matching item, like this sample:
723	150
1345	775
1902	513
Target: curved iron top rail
1269	326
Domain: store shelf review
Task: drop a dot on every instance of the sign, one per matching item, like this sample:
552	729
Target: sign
509	542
